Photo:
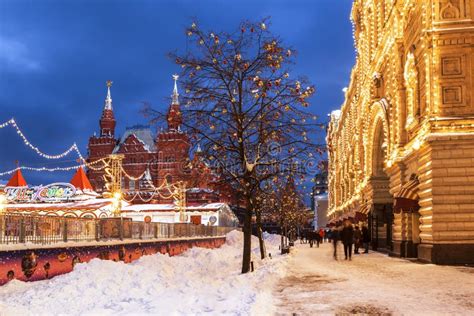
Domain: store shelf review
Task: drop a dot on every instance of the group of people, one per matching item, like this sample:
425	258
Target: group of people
349	236
312	237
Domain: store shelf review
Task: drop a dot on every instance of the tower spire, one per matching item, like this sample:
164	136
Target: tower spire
108	99
175	95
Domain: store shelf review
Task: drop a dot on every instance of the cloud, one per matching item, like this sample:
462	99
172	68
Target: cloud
15	54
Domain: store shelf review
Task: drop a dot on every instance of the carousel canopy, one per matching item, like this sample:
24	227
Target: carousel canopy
17	180
80	180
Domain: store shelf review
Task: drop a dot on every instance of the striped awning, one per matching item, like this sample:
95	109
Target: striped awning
407	198
364	209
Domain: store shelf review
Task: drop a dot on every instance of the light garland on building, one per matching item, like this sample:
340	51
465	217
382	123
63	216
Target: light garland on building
377	32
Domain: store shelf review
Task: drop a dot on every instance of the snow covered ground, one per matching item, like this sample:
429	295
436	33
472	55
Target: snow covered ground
372	284
205	281
200	281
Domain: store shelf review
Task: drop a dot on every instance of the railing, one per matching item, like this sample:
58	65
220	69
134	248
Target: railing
20	228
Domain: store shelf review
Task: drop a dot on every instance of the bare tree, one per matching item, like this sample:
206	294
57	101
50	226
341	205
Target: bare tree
245	108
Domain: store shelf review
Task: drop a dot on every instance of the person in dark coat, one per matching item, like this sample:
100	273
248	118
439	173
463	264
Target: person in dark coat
365	238
318	238
335	239
347	238
357	240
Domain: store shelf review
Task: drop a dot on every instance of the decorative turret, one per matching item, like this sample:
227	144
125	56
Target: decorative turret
174	116
107	121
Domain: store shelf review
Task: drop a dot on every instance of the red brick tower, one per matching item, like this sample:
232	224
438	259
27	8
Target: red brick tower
102	145
173	145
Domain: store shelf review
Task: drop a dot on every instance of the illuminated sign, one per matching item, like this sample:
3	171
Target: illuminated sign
55	192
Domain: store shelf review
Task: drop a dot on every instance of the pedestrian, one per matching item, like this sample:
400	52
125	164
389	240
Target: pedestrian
365	238
357	240
329	235
347	238
318	238
335	239
321	234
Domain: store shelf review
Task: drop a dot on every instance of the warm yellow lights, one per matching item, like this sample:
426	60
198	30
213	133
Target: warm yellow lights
3	202
392	82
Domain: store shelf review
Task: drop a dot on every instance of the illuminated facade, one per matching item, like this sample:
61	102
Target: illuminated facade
401	148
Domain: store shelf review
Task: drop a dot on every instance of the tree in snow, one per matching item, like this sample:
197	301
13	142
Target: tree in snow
245	108
283	204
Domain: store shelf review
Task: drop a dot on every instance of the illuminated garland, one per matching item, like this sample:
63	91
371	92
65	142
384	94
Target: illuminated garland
12	123
41	169
130	177
88	165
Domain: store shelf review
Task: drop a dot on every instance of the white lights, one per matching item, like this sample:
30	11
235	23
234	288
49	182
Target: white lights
12	123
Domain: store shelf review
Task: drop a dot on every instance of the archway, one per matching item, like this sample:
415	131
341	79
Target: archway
381	215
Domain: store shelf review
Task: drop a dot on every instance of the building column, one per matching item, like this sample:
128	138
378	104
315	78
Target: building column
446	193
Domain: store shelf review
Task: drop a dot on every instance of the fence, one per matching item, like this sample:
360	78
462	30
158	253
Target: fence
20	228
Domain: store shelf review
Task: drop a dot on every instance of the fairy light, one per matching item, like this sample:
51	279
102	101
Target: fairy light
376	30
55	169
13	124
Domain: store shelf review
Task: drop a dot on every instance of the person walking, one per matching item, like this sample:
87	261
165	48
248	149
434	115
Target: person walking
318	238
321	235
357	240
335	239
365	238
347	238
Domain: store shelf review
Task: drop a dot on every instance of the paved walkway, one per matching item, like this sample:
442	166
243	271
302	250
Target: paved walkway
373	284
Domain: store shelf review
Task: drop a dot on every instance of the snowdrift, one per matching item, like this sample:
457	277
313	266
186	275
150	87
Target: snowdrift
196	282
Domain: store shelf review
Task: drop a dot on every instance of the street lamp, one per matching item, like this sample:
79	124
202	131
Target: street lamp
117	204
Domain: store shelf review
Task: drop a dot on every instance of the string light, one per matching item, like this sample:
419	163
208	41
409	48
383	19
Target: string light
13	124
55	169
377	31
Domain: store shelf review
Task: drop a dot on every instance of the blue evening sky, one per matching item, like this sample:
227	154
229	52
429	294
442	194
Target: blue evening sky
55	57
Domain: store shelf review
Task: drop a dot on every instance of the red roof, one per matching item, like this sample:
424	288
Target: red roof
81	181
17	180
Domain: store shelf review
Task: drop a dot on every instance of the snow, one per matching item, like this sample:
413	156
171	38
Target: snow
371	284
196	282
171	207
208	281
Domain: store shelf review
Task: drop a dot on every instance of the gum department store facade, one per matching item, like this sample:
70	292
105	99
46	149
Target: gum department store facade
401	148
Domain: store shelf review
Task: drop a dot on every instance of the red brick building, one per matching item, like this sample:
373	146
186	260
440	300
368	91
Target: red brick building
164	156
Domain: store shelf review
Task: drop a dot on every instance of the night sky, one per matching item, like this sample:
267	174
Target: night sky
55	57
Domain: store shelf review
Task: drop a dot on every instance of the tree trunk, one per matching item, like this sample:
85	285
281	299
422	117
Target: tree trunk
263	250
247	230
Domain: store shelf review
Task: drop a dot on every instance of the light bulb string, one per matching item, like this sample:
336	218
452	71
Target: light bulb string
55	169
12	122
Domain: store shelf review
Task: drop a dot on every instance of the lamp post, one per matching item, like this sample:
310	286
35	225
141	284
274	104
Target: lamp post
117	204
3	208
117	210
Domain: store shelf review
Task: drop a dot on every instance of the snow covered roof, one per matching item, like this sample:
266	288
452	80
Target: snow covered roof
89	204
142	133
199	190
171	207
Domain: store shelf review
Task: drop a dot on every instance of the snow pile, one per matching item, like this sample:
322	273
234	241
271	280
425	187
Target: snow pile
198	281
